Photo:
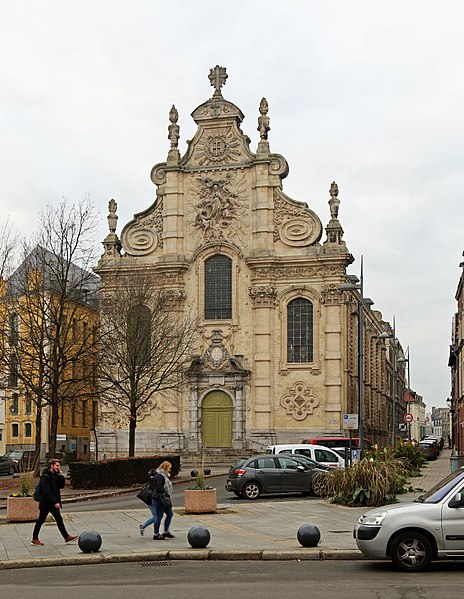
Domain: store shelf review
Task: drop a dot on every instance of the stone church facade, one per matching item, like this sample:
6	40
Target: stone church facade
261	274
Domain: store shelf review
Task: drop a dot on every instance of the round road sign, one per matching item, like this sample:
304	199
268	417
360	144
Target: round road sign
408	417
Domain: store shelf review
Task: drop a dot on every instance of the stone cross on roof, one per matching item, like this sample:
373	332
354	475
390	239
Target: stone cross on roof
217	78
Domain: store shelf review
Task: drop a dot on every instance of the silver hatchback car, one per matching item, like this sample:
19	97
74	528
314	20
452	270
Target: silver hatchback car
414	534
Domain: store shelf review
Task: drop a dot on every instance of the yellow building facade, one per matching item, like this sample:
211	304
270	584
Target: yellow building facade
22	358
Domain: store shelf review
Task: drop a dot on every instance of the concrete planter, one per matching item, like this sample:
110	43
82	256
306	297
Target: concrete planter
200	501
21	509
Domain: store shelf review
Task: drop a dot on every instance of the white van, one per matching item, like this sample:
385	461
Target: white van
318	453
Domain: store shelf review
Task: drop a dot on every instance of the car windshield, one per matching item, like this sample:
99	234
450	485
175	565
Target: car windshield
441	489
15	454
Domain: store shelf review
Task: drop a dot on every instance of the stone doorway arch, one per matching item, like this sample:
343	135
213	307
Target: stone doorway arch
216	419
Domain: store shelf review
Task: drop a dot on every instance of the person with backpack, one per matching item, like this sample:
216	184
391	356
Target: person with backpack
49	496
161	488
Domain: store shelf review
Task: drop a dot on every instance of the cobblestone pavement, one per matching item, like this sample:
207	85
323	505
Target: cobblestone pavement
264	530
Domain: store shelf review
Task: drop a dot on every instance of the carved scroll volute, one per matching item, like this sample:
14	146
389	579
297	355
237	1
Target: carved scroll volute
263	296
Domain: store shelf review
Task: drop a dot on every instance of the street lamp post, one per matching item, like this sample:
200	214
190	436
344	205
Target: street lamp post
359	286
408	405
392	336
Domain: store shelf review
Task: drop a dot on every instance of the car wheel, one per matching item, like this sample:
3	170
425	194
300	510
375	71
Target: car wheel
251	491
411	552
12	470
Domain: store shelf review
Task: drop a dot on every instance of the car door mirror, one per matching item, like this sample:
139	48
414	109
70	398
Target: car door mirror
300	468
456	501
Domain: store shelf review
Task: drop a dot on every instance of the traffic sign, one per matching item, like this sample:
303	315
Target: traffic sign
350	421
408	417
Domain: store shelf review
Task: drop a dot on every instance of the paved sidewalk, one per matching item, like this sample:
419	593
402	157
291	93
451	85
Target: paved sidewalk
249	530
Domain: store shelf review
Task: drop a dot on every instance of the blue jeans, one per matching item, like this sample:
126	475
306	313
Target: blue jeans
151	520
158	512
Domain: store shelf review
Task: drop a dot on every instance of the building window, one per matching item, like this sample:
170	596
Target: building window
300	331
14	405
13	372
74	329
28	429
28	405
218	288
14	329
73	413
15	430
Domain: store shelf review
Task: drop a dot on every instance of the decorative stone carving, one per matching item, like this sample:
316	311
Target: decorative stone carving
264	122
299	401
145	233
173	135
334	242
334	202
218	146
217	78
278	166
173	298
290	272
331	296
294	225
216	355
112	216
263	295
219	212
158	174
111	242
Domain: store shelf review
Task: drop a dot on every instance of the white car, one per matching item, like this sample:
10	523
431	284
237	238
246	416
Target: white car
414	534
318	453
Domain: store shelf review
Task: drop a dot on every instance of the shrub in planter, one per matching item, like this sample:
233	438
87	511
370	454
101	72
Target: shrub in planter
369	482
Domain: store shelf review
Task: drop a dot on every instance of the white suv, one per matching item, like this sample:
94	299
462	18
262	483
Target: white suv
414	534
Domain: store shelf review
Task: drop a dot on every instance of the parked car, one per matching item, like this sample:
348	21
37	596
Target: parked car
440	441
23	458
311	463
318	453
266	474
7	465
429	448
414	534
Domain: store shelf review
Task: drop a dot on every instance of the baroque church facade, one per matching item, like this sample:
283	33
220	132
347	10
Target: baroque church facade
275	359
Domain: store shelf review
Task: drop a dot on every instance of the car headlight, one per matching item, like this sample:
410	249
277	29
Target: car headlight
374	518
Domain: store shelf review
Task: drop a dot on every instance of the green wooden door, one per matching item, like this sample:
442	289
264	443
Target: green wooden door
217	420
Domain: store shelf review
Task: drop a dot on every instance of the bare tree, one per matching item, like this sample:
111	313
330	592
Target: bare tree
52	305
8	246
146	347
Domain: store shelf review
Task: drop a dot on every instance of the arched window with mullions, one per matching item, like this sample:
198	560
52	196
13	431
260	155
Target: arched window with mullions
300	331
218	288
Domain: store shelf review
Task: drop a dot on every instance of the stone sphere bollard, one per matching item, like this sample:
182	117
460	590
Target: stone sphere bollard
198	537
308	535
89	541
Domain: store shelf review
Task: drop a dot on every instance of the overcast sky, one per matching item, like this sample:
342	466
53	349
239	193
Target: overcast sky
369	94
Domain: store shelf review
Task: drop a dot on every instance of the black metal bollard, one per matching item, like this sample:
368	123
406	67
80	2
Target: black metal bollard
308	535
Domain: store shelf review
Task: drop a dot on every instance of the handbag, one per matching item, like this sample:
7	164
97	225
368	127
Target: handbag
164	500
145	494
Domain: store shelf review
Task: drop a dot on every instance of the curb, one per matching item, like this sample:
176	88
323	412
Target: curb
304	554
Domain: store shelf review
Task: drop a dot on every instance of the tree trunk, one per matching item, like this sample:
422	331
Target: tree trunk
53	429
38	439
132	427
